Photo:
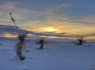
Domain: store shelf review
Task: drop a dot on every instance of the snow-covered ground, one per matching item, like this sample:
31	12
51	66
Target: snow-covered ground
54	56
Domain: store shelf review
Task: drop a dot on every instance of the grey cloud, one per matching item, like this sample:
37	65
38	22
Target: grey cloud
9	29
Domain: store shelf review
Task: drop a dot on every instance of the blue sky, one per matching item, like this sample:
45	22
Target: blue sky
57	17
76	7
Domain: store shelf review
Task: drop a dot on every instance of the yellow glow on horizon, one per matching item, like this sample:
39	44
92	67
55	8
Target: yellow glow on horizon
62	27
8	35
84	38
67	29
89	38
49	29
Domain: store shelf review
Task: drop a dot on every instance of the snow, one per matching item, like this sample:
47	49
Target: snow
54	56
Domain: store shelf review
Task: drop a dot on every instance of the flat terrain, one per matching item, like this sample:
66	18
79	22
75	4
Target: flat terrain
54	56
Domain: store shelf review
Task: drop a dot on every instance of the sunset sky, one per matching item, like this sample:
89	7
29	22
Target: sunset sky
49	18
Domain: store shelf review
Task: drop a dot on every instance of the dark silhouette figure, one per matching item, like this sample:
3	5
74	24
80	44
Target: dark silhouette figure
80	41
41	42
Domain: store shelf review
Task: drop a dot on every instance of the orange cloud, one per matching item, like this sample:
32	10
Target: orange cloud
90	38
8	35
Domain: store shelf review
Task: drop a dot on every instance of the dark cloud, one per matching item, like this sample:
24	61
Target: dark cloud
8	29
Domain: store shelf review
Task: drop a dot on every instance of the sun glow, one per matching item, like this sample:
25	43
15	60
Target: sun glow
49	29
8	35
